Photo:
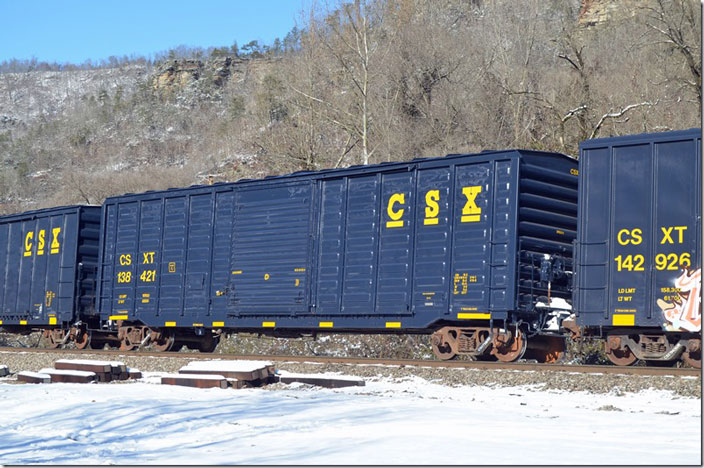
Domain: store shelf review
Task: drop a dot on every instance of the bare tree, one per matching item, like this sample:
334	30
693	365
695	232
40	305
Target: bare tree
349	39
677	24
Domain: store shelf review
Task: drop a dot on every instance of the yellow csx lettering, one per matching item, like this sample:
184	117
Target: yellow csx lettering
55	240
667	234
432	208
126	259
629	236
147	257
28	243
395	216
41	242
471	212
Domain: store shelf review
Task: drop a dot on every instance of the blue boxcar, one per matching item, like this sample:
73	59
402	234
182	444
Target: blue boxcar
403	245
48	263
638	258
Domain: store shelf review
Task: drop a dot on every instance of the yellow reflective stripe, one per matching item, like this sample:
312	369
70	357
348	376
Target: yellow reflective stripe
197	324
238	272
218	324
475	315
169	324
268	324
117	317
325	324
0	322
23	322
52	320
624	320
393	324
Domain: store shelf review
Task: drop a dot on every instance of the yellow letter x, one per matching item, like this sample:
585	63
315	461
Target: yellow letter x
471	212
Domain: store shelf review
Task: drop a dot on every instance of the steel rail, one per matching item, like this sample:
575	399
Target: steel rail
487	365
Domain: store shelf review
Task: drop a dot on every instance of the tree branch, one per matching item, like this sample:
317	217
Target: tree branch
613	115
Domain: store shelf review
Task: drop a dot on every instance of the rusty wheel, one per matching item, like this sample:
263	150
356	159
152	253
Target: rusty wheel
126	344
444	343
53	338
693	354
130	337
509	346
82	339
209	343
618	352
177	346
163	342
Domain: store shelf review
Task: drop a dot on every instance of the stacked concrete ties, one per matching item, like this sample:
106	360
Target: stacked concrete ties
199	374
81	371
247	374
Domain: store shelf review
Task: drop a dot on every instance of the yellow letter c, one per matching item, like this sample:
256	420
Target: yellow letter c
28	244
399	198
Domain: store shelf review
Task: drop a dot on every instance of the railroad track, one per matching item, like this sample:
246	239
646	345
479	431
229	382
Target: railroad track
515	366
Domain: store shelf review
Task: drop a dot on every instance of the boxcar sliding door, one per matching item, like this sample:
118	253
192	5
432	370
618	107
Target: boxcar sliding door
271	248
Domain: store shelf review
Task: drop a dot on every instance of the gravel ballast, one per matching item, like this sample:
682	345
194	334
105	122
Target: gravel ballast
542	380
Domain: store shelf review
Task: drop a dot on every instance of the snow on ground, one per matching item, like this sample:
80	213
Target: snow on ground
386	422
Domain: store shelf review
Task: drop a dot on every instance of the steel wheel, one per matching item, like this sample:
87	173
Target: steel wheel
82	339
164	342
693	354
126	344
53	338
177	346
130	336
509	348
618	353
208	343
444	343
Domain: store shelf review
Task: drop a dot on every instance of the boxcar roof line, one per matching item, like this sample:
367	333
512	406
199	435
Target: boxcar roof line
42	211
358	169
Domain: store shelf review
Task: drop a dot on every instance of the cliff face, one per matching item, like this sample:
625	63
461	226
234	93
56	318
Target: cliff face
110	130
28	97
596	12
177	74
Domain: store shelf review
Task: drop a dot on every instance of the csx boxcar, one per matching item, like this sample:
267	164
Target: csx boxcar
453	245
48	261
639	246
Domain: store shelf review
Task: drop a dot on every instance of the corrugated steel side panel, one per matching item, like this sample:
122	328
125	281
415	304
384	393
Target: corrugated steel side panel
639	248
433	242
271	245
161	257
397	245
47	265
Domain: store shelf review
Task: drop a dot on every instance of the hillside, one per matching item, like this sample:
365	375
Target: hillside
428	78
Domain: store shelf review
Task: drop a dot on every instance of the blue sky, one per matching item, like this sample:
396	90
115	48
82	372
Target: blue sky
75	30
